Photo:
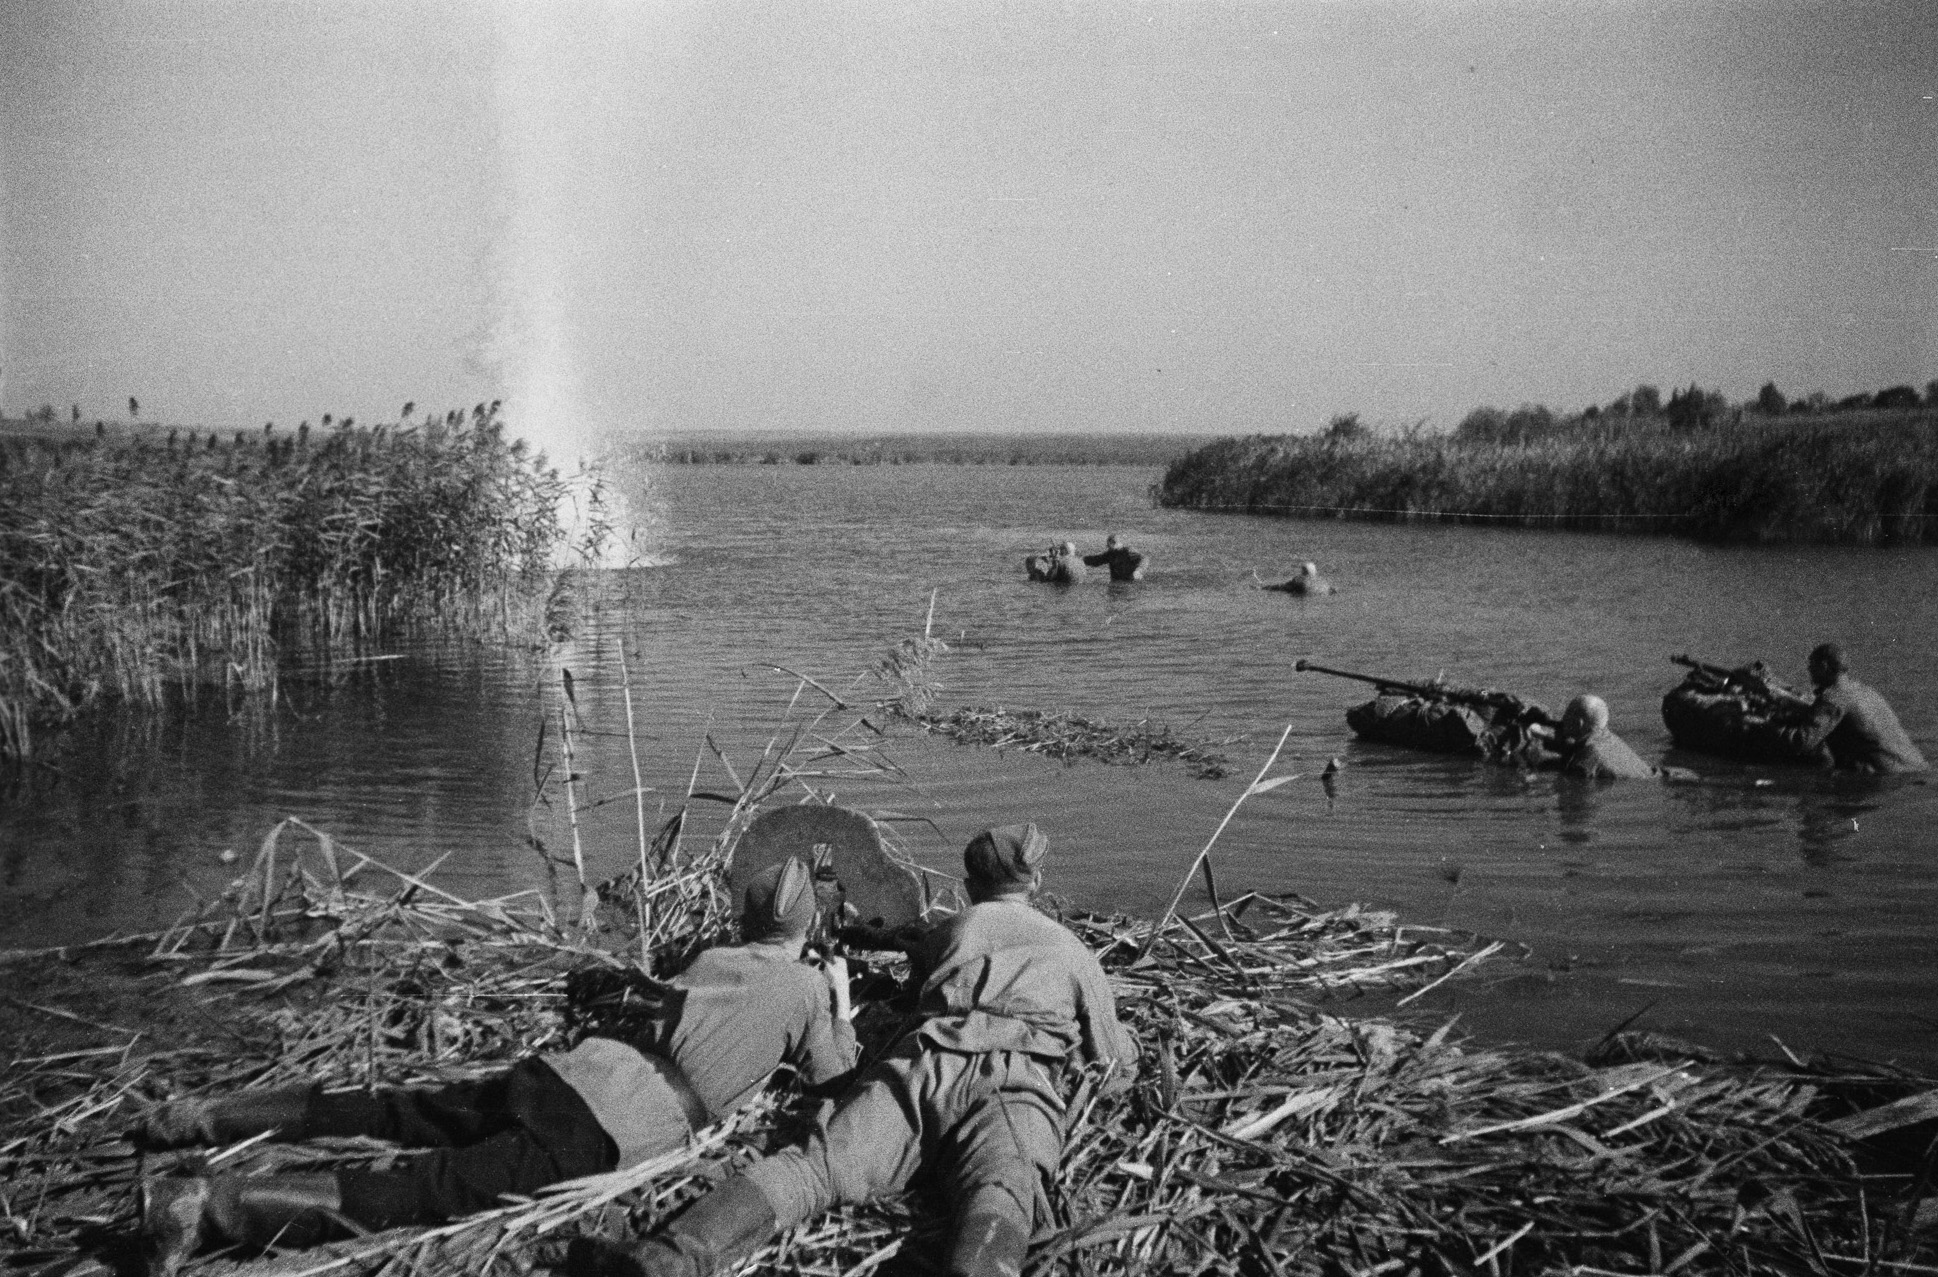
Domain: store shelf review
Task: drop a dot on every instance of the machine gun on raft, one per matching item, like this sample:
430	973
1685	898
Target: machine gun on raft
1445	718
1737	712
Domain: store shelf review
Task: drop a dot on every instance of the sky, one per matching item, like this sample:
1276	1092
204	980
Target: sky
1188	216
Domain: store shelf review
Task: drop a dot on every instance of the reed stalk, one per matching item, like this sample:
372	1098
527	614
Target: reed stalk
588	901
639	803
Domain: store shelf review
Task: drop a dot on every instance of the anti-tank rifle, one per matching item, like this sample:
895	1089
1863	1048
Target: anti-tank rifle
1751	681
1521	710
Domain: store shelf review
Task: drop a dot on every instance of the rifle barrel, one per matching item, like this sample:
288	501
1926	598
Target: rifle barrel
1302	665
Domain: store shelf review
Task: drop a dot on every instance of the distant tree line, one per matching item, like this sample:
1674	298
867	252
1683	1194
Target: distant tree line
1690	408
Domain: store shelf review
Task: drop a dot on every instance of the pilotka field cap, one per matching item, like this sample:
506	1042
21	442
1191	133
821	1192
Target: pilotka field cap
1005	856
779	902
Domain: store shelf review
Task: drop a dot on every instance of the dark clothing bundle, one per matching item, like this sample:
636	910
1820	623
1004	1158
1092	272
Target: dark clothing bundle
513	1132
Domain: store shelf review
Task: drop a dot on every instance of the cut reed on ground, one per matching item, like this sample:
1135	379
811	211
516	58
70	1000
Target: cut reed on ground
1265	1133
132	566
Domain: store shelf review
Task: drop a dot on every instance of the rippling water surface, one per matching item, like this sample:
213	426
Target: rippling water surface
1760	903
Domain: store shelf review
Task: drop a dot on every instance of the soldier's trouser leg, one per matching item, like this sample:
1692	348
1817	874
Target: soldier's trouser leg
1002	1150
282	1113
512	1133
873	1142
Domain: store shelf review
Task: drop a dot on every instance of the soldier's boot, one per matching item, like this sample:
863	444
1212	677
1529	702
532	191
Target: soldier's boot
178	1216
988	1244
200	1120
719	1230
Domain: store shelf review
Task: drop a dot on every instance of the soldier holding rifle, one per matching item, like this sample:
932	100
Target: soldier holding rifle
1745	713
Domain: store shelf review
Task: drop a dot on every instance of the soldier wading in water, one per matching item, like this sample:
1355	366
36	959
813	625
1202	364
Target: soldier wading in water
1011	1000
726	1022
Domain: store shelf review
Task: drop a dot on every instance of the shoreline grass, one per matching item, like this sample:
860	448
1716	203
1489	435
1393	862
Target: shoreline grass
134	566
1859	478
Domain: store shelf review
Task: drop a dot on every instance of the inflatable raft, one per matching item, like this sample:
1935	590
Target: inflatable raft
1714	714
1418	723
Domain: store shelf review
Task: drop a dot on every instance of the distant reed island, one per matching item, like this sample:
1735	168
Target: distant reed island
1861	472
962	449
136	562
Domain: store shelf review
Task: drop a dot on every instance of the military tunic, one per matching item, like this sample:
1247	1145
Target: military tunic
1010	997
1602	755
1858	727
742	1011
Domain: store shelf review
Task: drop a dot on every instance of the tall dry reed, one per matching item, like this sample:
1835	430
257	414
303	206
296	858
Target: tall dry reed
130	567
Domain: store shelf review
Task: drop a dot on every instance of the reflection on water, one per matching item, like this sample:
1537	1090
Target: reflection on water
1755	902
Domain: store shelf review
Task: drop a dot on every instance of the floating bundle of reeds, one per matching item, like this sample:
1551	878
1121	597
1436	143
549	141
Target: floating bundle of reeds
128	567
1069	737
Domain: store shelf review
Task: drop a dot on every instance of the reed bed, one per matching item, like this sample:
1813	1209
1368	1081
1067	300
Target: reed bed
130	567
1856	479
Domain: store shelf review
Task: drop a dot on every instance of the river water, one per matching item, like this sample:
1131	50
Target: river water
1760	904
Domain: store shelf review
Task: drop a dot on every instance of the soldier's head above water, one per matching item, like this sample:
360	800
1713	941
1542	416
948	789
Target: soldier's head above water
1827	663
1586	713
1005	861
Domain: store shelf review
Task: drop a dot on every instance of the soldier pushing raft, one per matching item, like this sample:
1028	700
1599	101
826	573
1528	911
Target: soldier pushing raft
1447	719
1744	713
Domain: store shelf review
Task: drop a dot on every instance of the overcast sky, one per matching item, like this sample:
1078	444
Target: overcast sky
1181	216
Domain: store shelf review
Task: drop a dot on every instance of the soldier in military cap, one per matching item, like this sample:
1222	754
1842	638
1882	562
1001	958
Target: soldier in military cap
1850	721
1010	1000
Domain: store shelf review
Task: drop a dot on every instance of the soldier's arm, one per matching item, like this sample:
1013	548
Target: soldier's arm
1815	727
827	1052
1105	1039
